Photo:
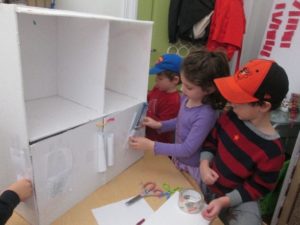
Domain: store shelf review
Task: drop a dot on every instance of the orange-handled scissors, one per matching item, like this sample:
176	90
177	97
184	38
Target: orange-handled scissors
148	189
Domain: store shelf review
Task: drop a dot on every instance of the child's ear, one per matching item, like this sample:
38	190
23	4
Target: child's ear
266	106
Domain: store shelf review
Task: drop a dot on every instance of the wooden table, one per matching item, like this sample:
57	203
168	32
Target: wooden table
150	168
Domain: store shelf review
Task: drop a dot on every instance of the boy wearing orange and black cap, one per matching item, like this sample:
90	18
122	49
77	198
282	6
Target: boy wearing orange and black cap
164	98
243	155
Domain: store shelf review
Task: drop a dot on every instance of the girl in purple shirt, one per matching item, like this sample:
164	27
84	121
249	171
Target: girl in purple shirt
197	114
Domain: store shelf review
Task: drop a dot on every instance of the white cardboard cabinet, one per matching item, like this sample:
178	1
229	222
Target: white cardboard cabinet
67	163
62	72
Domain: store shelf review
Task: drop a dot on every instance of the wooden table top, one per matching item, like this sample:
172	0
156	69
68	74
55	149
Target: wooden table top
159	169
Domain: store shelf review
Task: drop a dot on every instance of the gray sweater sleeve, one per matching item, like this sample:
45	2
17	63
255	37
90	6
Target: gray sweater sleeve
234	197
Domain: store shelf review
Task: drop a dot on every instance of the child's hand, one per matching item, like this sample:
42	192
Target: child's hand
141	143
214	207
23	188
149	122
208	175
212	210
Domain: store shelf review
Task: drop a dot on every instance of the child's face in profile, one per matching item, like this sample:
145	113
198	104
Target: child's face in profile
163	83
246	111
192	91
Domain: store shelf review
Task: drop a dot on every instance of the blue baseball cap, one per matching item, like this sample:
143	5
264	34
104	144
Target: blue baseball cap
167	62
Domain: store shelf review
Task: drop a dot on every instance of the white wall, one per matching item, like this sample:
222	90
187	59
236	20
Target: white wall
119	8
257	14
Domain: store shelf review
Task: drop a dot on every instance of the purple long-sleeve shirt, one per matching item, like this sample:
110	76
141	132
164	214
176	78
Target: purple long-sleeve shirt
192	126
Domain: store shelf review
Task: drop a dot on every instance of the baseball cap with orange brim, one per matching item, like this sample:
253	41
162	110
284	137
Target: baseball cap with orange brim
258	80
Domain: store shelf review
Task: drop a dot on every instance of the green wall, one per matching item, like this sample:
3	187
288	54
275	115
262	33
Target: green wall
156	11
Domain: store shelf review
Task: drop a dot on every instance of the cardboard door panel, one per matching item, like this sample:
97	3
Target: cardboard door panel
65	170
120	156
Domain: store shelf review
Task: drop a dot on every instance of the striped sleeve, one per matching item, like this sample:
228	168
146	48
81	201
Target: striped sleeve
245	161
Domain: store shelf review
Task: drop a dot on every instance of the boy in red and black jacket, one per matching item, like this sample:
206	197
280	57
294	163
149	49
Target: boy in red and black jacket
243	155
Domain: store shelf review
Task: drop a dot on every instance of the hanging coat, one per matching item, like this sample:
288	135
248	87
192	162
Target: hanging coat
227	26
184	14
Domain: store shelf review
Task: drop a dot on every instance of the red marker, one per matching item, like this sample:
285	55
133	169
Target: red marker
140	222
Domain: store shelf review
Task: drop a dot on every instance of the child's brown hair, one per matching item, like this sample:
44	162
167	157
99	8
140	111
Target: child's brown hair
201	67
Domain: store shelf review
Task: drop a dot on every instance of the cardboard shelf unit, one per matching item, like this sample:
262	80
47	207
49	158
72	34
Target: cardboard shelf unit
61	74
76	58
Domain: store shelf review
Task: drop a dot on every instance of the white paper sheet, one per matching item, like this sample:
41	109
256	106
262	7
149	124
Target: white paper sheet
170	213
120	214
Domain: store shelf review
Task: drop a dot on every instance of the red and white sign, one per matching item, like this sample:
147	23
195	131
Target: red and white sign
282	39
